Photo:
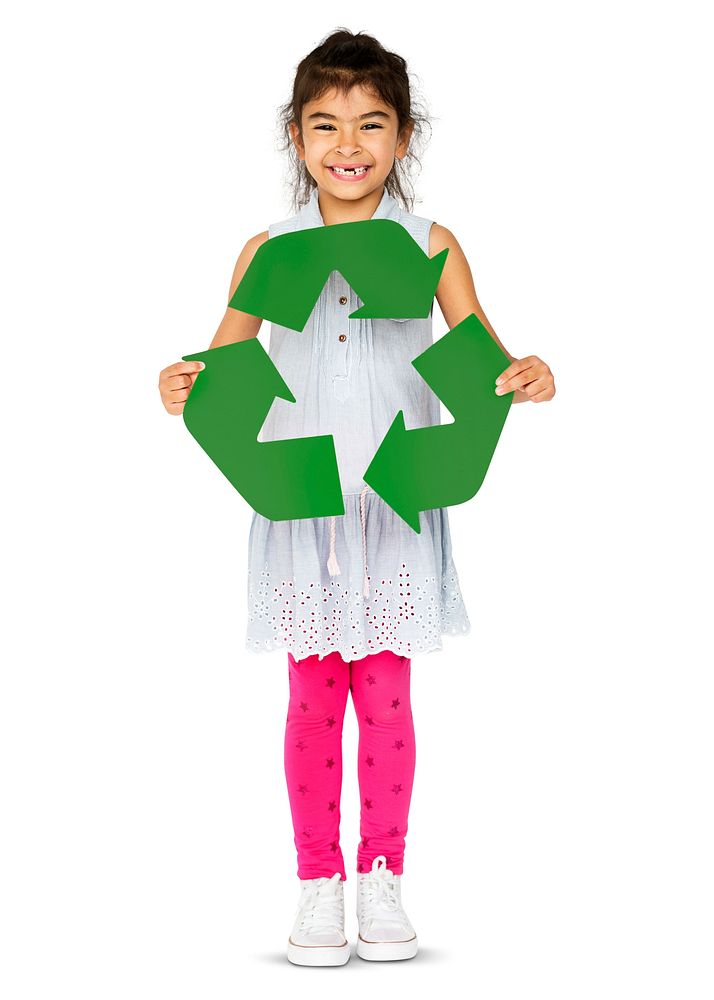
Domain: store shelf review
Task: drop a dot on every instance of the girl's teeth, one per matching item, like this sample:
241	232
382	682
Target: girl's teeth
359	170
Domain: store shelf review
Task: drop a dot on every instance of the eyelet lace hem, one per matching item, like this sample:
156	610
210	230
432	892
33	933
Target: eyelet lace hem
403	616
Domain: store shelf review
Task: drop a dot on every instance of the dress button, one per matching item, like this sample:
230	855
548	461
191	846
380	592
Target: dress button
343	337
343	299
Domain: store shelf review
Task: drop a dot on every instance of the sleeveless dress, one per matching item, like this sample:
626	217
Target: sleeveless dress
363	581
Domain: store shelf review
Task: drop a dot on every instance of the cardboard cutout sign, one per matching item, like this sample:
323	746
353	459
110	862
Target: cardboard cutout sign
412	470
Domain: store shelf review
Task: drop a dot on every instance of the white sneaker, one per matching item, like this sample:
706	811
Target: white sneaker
385	932
318	936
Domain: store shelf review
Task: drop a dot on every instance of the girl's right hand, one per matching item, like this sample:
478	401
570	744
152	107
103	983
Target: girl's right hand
175	383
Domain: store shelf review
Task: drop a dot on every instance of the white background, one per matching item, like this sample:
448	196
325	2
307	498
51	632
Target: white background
561	825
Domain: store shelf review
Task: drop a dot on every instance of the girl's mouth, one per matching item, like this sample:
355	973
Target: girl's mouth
351	174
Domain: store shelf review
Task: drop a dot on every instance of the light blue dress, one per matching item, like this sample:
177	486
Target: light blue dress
363	581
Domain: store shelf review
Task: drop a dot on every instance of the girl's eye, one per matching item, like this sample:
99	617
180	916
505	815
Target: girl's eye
373	124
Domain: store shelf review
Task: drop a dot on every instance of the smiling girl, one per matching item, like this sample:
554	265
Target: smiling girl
353	598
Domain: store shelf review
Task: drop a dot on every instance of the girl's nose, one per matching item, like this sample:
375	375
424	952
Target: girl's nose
349	143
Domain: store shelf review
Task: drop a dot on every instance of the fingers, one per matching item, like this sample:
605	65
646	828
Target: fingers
523	381
508	380
177	395
176	382
539	389
182	367
531	375
180	381
174	408
516	366
543	394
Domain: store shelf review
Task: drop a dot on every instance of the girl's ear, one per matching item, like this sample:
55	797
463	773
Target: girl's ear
295	133
404	138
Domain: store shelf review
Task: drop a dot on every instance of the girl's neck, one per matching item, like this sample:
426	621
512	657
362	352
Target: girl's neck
335	211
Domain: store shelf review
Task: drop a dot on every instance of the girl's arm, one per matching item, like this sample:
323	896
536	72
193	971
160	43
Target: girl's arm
456	293
237	325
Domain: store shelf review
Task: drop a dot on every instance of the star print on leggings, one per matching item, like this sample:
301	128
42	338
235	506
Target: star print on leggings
365	841
307	831
334	846
369	761
330	762
301	744
371	680
369	720
395	703
330	682
304	706
331	721
394	831
332	806
368	803
398	744
302	789
396	789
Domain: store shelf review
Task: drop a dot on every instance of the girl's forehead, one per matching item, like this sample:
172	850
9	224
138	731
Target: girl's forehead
358	100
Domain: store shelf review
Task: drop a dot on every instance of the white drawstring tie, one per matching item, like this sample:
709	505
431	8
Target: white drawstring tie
333	567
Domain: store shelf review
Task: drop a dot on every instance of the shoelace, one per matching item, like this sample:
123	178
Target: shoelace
321	908
379	892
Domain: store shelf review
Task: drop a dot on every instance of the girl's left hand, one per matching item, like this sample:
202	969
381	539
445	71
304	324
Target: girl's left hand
528	377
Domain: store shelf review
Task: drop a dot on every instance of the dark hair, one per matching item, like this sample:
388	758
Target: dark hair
344	60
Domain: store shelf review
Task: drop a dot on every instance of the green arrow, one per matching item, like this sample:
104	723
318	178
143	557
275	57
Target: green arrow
378	258
444	465
225	410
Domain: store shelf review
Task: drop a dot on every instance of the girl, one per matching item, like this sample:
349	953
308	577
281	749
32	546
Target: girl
352	598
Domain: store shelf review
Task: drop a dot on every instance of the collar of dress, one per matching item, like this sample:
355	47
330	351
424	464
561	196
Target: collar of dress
311	216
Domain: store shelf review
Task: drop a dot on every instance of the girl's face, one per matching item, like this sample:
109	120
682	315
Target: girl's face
355	130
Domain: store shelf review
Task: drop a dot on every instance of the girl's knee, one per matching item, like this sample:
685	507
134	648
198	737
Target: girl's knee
384	705
381	687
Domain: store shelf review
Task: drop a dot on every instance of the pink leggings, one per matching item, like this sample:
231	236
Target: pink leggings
313	757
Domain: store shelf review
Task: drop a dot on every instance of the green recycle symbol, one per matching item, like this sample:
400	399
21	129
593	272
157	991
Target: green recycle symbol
412	470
